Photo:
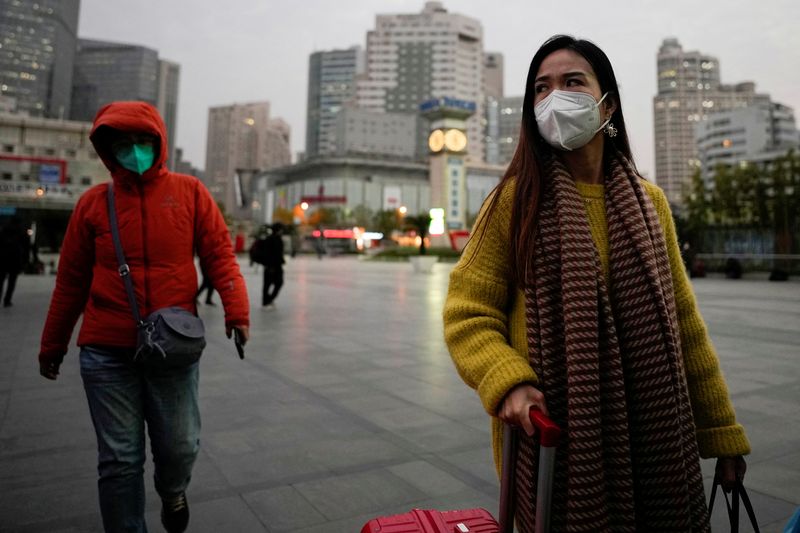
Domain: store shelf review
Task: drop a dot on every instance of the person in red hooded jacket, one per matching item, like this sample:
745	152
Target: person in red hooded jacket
163	219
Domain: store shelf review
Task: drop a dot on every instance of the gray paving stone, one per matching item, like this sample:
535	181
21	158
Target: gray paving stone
444	437
475	462
356	494
62	499
271	465
428	479
283	509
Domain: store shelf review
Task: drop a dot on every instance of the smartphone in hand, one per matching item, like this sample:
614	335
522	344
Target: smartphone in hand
239	342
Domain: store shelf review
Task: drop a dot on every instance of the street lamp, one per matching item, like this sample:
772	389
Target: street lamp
304	206
403	210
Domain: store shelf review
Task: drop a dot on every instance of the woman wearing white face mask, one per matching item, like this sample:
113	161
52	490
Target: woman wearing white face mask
571	298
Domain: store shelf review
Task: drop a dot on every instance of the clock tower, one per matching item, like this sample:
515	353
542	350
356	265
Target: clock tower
447	145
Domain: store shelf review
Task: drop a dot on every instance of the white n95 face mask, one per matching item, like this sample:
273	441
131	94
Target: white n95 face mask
568	120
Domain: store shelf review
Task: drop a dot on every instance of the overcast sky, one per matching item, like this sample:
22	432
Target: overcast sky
236	51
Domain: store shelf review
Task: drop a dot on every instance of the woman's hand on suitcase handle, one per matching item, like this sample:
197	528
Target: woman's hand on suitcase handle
517	404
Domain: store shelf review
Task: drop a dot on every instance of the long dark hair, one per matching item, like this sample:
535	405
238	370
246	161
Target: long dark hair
532	150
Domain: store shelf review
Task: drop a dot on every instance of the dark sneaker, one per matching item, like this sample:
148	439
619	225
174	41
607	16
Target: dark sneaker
175	514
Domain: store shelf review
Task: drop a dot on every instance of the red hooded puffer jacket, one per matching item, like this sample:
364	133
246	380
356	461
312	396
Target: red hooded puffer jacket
164	219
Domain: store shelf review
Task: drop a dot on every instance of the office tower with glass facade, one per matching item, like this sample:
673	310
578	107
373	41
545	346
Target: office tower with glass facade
412	58
689	91
106	72
331	86
503	120
167	103
38	40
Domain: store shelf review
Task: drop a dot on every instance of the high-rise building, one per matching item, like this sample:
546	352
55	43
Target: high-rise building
493	75
106	72
277	151
331	85
366	133
38	50
167	103
503	121
242	141
742	135
412	58
689	91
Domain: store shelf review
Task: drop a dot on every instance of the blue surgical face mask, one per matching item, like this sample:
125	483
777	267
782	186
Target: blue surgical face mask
135	157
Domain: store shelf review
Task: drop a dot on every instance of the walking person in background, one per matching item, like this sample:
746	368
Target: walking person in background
163	218
14	251
273	266
571	298
258	250
206	286
319	243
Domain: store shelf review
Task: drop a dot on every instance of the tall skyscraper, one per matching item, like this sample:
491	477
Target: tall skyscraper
503	120
242	140
167	102
38	50
412	58
108	71
331	85
689	91
493	75
277	149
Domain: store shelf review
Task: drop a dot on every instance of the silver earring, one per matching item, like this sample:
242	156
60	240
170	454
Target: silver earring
610	130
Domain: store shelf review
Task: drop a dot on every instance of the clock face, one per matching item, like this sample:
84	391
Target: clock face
455	140
436	141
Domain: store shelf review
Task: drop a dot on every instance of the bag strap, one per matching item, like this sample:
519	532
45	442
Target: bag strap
738	494
124	270
748	506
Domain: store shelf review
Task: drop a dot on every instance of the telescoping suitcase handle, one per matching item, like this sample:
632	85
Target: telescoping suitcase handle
548	434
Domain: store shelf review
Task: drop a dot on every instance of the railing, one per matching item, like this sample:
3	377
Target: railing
32	194
716	262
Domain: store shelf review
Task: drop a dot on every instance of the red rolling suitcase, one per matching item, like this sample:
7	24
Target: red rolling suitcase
480	520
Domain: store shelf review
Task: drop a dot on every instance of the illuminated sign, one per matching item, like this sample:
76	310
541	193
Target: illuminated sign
451	103
437	221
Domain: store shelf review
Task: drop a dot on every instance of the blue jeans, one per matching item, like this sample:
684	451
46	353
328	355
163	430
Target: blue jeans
123	396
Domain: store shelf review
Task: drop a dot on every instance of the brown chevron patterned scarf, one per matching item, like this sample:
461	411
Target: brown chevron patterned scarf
610	366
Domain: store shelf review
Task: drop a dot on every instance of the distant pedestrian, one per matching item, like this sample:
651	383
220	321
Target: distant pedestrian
206	286
319	243
294	239
273	266
258	249
14	250
163	218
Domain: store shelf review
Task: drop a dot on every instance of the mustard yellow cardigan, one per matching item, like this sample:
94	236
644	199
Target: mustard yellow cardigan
484	324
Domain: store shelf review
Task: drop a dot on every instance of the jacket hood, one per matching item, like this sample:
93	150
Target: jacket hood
139	117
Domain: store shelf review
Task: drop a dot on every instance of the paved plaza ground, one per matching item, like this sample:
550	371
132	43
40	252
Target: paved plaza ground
348	407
